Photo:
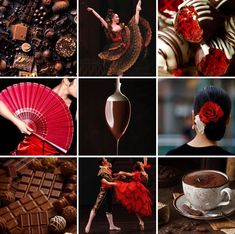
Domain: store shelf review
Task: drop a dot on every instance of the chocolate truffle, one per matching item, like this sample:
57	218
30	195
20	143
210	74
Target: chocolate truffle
224	6
173	51
60	204
6	198
46	53
70	214
3	65
57	225
67	168
213	59
58	66
65	47
197	21
60	6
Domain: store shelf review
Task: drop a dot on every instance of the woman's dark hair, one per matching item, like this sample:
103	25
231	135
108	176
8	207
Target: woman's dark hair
109	16
214	131
136	167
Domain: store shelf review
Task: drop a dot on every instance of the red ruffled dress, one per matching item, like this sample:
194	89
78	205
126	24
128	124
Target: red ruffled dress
134	195
32	145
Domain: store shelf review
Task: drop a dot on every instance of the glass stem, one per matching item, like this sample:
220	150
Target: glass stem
117	146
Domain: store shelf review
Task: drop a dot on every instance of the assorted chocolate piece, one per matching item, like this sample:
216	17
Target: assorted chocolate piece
36	222
173	51
29	28
32	181
14	166
209	28
29	191
35	202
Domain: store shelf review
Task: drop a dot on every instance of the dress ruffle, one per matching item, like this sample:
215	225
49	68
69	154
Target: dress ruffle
32	145
135	197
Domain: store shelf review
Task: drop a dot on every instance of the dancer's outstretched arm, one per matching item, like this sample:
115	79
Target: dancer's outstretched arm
125	173
108	183
104	23
137	12
22	126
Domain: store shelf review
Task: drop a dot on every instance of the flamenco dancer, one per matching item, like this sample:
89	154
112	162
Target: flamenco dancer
211	114
125	42
134	195
105	194
32	145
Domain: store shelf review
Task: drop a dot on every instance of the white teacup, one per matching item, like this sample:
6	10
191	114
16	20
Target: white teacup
207	189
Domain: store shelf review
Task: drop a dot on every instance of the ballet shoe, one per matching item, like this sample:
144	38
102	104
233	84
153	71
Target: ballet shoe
141	225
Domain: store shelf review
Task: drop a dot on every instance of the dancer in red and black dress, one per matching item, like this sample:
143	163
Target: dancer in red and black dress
134	195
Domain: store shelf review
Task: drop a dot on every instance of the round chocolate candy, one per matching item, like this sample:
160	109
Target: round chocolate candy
197	21
173	51
71	197
67	168
213	59
60	6
60	204
46	53
65	46
7	197
70	214
26	47
46	2
58	66
3	65
57	225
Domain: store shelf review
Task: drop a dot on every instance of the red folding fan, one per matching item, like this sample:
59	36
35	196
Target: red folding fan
43	110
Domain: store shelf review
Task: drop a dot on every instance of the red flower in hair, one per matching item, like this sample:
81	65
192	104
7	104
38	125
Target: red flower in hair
210	112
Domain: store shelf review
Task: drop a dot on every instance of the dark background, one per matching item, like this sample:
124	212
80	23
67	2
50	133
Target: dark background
95	138
10	136
92	38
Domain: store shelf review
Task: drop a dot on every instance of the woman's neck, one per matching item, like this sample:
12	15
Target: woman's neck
62	91
200	140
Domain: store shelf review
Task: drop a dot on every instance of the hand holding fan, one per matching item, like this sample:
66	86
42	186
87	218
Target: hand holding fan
43	111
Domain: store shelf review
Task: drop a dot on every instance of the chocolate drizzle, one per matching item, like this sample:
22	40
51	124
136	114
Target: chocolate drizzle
179	47
230	30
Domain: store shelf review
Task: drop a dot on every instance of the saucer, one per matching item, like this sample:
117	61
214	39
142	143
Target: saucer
217	213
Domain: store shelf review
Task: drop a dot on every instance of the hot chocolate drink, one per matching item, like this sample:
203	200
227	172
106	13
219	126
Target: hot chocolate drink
205	179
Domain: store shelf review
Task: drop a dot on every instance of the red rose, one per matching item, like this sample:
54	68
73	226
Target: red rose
210	112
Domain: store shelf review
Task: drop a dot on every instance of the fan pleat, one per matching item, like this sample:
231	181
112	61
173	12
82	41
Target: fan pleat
40	106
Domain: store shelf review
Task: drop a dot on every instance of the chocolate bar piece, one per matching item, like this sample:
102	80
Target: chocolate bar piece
15	166
32	223
19	32
23	62
31	181
35	202
5	183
